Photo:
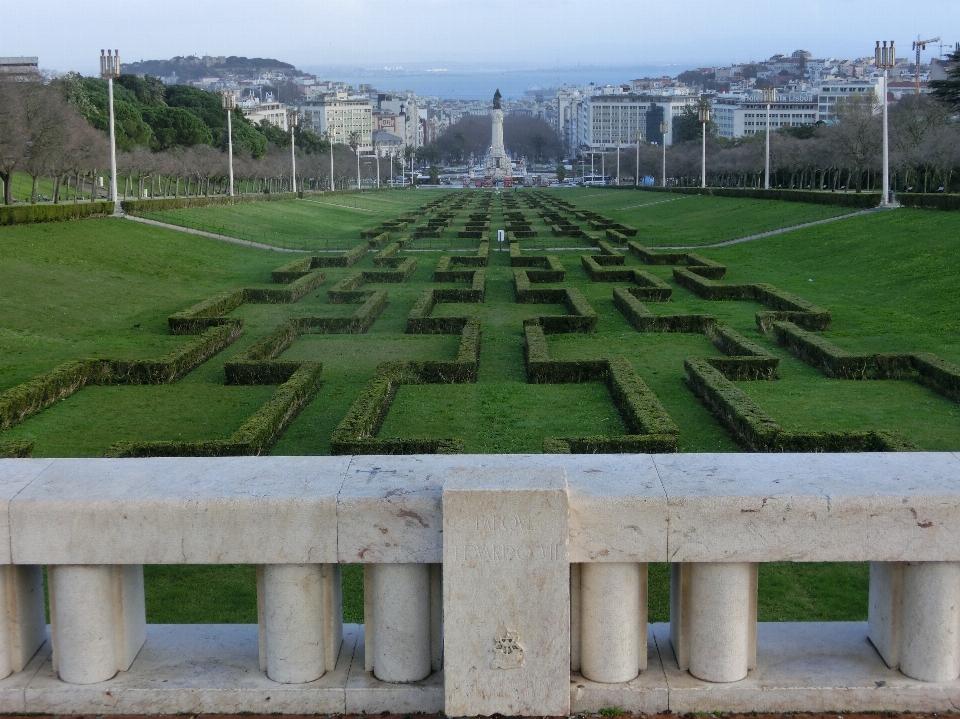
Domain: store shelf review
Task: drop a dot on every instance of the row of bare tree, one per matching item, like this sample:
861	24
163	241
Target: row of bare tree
924	153
45	137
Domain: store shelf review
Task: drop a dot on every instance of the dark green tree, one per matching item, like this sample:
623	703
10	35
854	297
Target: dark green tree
561	172
148	90
948	91
175	127
687	126
434	172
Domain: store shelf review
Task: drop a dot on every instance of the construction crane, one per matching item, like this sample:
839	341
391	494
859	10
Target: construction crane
919	45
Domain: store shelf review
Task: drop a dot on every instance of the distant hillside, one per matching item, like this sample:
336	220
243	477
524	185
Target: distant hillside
193	68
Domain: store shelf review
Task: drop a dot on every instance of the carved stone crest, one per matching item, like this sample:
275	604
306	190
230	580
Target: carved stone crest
507	650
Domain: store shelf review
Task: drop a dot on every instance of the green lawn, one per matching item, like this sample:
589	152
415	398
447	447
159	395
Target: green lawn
314	223
105	287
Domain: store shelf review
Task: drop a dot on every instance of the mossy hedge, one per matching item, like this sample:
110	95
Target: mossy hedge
22	214
357	432
24	400
755	430
844	199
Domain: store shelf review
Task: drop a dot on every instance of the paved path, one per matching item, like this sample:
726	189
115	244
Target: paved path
771	233
211	235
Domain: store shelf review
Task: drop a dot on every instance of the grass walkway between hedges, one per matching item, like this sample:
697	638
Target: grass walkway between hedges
105	287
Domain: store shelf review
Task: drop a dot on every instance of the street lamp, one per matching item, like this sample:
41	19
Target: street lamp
292	123
109	69
886	58
618	162
704	119
376	149
330	140
603	163
664	129
639	138
228	101
769	97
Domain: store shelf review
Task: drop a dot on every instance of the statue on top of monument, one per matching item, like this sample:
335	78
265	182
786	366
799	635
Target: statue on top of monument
496	99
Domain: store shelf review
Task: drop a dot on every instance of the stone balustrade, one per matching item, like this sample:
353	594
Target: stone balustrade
513	584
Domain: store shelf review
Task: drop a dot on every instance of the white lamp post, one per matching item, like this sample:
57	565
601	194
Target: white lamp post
292	122
639	138
603	163
330	140
769	97
228	101
618	161
704	119
886	58
376	149
664	129
109	69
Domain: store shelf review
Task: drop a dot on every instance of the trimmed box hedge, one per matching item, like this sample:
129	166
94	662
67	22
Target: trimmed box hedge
254	437
356	433
755	430
844	199
24	400
22	214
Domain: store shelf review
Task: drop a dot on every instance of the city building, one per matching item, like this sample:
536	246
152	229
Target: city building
739	115
21	69
340	118
606	119
255	111
837	90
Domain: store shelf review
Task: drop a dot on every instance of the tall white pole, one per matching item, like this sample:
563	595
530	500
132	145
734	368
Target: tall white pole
377	149
357	150
618	165
886	145
766	182
113	150
636	179
663	180
703	164
332	186
230	150
293	164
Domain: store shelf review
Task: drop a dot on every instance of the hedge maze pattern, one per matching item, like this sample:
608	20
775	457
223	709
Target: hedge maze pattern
538	278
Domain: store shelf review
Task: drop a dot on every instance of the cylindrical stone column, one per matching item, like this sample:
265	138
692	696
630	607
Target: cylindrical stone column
293	619
930	629
6	635
83	619
401	610
720	615
610	621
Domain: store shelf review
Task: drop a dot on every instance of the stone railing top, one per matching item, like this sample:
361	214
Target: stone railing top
388	509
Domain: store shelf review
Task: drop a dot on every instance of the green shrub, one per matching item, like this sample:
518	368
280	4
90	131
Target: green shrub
755	430
927	202
15	449
22	214
626	300
24	400
939	375
844	199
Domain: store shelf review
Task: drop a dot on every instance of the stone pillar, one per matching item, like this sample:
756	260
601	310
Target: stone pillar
22	619
293	622
506	592
914	619
397	621
98	620
713	619
613	621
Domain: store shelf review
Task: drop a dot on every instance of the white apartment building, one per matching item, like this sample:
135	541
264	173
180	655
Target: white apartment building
340	118
739	115
255	111
831	92
606	119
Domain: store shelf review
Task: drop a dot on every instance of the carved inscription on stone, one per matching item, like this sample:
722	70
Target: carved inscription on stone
506	592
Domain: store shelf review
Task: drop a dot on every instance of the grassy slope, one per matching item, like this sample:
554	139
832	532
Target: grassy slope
692	220
106	287
315	223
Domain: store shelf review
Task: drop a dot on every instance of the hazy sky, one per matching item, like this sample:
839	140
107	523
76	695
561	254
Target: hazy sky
447	33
